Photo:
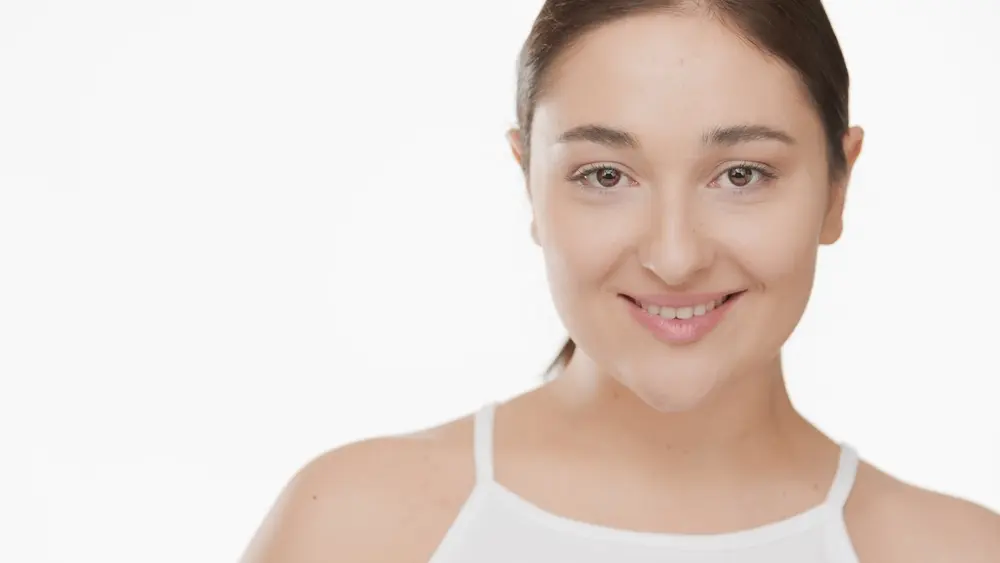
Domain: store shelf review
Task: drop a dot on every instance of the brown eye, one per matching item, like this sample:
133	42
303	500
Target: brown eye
745	177
740	176
602	178
608	177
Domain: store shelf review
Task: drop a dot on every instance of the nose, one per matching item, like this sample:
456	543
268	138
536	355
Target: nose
676	247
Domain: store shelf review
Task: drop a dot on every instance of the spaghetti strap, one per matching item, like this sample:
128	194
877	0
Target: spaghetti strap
483	442
843	481
495	523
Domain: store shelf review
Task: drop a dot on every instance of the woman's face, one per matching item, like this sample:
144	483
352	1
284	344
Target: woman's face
671	165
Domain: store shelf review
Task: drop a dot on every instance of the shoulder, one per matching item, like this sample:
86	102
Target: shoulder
895	521
382	499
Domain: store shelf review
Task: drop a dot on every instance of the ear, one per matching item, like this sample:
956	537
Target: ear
516	142
833	223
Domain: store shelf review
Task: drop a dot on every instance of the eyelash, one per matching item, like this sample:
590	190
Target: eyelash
589	169
766	173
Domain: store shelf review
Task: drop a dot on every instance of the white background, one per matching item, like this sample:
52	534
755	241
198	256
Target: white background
236	234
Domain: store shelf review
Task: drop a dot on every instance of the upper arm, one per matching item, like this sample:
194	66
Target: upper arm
371	501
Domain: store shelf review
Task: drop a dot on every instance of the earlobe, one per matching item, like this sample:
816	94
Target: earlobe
516	143
833	223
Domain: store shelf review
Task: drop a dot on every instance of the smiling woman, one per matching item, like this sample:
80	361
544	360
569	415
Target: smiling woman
740	177
684	161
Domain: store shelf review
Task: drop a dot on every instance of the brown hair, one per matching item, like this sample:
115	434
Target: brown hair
798	32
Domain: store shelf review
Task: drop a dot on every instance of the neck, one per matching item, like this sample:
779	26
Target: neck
750	417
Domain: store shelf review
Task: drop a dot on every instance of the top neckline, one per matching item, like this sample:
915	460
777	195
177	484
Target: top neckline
831	508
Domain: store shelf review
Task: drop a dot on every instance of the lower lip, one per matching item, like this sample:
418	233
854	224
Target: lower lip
681	331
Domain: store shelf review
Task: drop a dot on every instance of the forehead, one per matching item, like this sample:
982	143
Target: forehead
668	79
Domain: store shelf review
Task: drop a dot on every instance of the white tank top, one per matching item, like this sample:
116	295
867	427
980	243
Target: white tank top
495	525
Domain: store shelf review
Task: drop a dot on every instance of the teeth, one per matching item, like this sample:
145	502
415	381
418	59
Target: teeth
683	313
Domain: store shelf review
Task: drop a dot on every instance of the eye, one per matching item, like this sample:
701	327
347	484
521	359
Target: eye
745	176
602	177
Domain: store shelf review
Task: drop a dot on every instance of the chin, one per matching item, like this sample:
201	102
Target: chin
672	390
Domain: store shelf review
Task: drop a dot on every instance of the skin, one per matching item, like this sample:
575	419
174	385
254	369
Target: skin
677	420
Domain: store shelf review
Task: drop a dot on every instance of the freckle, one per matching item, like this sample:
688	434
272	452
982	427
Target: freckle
314	497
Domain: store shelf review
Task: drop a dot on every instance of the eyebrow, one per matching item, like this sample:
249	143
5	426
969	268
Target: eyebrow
725	136
733	135
601	135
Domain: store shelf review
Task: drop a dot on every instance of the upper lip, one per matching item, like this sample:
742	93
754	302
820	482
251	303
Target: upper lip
680	299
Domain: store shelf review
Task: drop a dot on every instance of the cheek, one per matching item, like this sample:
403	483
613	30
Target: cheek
778	258
774	257
778	243
583	243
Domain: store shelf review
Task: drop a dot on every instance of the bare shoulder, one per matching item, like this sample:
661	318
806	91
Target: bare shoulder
382	499
891	521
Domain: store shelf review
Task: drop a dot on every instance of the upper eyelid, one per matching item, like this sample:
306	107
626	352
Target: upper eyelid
590	167
730	164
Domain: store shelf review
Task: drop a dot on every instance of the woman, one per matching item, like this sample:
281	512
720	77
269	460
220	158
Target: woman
684	162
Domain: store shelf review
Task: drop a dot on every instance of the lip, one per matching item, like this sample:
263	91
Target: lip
682	331
681	299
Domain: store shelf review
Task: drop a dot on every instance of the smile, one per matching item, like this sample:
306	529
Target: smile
681	319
